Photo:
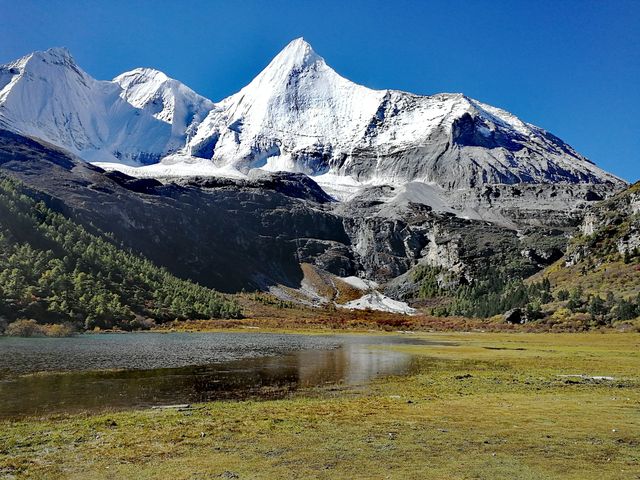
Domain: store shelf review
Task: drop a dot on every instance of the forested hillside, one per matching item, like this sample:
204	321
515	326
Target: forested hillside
494	291
54	271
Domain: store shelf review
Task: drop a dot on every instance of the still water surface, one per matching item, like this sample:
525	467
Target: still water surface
146	369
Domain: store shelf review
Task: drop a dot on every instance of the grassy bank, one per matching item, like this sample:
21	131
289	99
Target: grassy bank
494	406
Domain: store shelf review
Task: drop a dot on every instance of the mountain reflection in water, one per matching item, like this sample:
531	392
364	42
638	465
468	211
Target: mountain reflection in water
270	370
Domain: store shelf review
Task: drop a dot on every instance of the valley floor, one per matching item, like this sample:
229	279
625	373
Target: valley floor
492	406
267	313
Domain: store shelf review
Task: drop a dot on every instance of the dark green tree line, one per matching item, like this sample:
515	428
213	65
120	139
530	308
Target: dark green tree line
54	270
493	291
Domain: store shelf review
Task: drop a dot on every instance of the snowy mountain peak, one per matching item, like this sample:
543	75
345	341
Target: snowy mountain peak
296	115
166	99
137	119
43	63
297	54
46	95
141	74
297	97
299	115
296	60
55	54
153	89
52	56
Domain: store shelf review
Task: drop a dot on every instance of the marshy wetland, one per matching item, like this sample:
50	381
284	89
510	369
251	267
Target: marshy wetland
465	406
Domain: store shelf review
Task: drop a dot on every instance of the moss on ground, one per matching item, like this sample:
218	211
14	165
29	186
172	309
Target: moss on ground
493	406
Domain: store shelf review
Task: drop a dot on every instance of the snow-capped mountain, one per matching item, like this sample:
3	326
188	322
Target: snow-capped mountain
166	99
299	115
47	96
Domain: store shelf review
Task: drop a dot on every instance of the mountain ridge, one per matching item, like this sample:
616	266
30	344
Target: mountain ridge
46	95
296	115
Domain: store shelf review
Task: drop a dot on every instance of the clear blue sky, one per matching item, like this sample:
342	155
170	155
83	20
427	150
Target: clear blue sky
569	66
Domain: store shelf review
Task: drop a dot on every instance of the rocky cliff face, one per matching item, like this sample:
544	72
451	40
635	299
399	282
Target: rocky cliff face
255	232
603	256
613	222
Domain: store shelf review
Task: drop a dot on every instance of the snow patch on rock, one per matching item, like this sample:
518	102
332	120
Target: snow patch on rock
378	301
174	166
360	283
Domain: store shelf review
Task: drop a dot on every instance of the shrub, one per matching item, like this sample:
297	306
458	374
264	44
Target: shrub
58	330
561	315
31	328
140	323
579	321
24	328
624	310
